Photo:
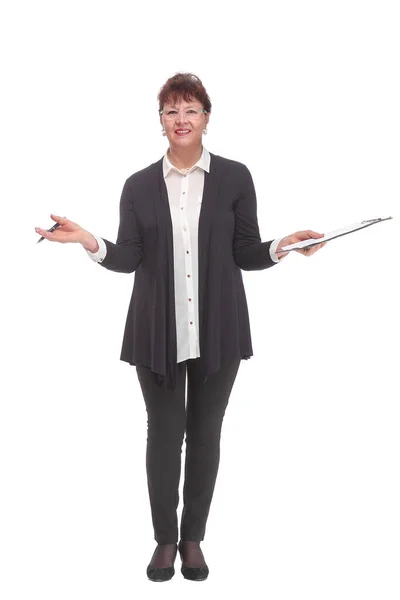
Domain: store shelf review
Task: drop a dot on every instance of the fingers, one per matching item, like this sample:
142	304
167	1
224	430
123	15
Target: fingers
46	234
49	235
314	234
61	220
312	249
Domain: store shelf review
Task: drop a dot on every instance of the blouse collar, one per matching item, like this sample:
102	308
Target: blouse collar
203	163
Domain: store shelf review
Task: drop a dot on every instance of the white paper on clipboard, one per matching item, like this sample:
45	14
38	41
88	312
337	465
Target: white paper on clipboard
332	234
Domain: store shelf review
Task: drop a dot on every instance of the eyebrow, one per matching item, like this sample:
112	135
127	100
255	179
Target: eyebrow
188	106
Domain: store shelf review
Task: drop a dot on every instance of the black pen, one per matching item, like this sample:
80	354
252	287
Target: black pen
56	226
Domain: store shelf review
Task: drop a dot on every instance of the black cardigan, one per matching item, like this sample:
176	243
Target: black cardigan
229	240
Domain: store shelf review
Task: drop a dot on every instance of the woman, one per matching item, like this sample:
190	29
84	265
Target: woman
188	225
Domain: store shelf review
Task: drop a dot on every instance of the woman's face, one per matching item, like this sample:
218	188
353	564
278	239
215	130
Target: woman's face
184	123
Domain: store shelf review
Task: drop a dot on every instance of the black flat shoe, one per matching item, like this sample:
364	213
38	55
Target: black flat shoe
193	573
161	573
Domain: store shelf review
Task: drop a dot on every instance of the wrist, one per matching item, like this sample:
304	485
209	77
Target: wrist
89	242
282	242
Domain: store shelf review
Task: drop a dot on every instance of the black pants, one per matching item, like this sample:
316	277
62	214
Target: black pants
168	420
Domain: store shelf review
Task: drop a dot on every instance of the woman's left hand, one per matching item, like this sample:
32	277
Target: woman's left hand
299	236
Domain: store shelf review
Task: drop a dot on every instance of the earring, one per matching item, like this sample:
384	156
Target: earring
205	131
163	132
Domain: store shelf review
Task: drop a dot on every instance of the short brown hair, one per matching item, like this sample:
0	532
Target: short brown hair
186	86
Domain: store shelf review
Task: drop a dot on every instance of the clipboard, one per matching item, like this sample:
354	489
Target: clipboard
333	234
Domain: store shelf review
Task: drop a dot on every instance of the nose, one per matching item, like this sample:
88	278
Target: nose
181	117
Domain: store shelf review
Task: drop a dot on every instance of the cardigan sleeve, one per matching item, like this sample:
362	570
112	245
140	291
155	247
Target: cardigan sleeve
249	252
126	254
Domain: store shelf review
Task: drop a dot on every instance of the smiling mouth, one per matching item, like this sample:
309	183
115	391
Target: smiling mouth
182	132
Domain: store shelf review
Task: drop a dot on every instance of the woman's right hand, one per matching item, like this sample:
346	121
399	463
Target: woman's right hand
68	232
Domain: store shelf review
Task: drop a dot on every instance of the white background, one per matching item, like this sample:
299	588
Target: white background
307	95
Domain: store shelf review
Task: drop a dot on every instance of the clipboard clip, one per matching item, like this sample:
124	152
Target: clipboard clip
376	220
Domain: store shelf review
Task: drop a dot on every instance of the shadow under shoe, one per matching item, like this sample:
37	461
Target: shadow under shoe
192	573
155	573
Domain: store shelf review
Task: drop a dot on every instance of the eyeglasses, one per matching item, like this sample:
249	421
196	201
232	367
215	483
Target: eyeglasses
189	113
